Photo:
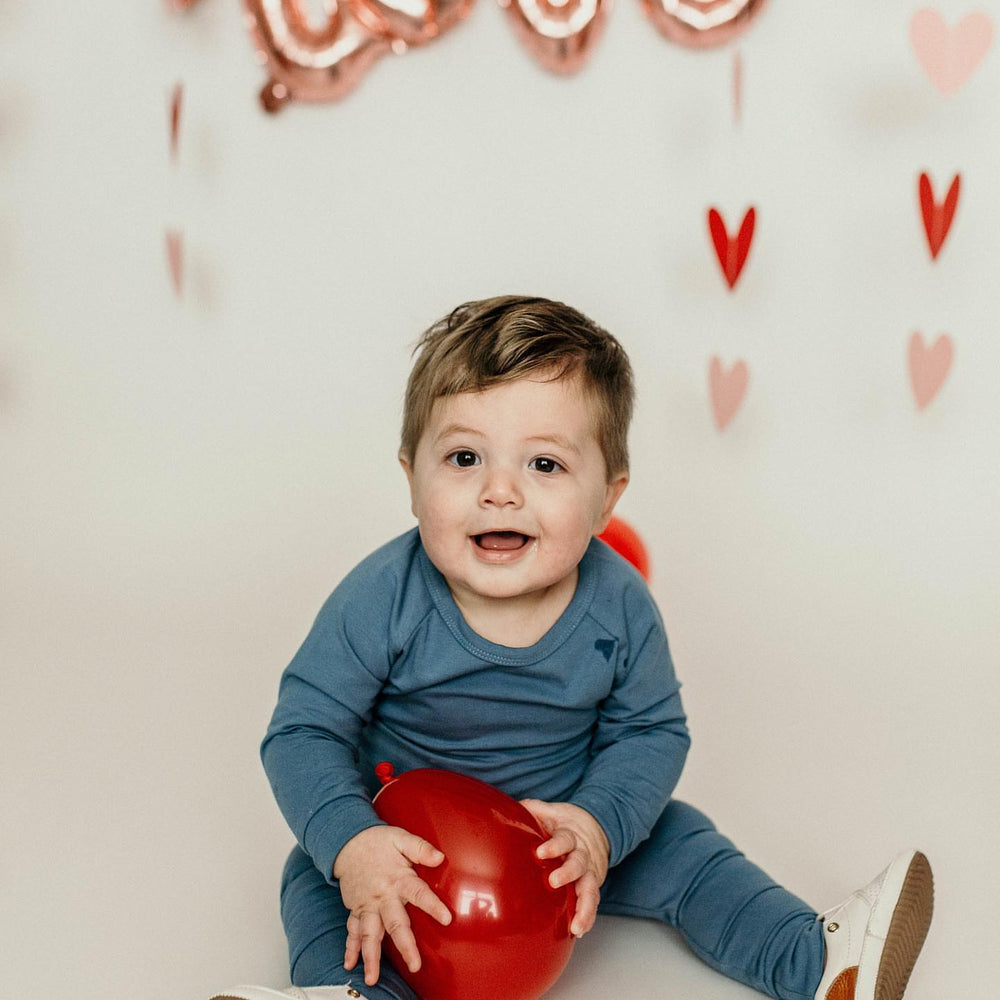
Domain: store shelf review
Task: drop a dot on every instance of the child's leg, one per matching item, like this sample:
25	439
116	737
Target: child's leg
731	913
315	921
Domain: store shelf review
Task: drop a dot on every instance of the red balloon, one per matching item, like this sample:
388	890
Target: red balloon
625	540
509	935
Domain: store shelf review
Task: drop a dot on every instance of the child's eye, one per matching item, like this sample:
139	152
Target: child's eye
544	464
463	459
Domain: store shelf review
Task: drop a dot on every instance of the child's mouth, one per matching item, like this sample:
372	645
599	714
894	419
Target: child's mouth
501	541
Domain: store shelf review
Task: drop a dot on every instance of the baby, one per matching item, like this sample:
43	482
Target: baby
501	639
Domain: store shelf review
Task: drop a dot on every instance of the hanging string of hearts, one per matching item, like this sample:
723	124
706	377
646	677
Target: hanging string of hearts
173	237
309	62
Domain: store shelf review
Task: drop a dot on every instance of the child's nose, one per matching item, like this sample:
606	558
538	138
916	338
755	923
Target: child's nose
500	489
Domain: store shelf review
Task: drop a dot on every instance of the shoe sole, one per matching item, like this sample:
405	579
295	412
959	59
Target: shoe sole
910	922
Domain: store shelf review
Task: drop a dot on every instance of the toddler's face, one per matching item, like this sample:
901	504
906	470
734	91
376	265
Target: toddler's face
509	485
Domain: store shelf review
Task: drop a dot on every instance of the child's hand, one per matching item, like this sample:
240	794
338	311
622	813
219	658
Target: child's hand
377	880
578	837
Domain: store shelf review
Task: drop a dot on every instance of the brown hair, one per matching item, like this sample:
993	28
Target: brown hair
492	341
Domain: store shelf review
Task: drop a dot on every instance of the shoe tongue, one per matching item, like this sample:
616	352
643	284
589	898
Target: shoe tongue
502	540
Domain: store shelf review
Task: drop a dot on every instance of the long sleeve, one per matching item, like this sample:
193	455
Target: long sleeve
640	742
326	697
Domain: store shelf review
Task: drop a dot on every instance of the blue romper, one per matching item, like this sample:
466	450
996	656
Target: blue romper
590	714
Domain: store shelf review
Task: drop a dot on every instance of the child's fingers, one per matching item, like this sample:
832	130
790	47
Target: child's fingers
352	951
561	842
418	851
397	926
588	896
546	814
372	931
573	868
422	895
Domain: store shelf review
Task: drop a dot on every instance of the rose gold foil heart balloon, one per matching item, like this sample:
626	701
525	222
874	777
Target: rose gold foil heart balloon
307	63
702	23
558	33
414	22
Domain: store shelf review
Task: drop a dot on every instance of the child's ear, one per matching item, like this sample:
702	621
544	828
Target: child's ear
612	494
408	469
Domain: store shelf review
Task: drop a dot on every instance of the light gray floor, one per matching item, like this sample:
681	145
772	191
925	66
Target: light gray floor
622	957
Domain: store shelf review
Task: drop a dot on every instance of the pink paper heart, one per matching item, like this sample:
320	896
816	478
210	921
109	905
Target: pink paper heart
727	389
950	56
175	260
176	103
929	366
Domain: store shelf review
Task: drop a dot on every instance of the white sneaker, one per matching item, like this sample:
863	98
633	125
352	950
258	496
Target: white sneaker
292	993
873	938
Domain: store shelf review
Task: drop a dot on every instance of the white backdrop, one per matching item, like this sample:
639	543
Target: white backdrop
184	478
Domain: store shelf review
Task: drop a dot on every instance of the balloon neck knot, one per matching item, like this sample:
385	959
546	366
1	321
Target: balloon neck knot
385	772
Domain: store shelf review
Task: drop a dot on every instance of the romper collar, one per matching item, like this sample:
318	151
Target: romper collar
512	656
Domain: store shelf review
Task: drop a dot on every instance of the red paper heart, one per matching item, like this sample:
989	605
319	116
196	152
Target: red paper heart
937	218
731	251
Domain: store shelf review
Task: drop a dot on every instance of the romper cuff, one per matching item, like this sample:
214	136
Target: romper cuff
602	808
331	827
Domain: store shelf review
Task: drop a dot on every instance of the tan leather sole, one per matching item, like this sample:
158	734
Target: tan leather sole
907	930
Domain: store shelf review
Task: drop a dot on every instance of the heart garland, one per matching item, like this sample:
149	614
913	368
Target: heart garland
928	366
173	237
360	31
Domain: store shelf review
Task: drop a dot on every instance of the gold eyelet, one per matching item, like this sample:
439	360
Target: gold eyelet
832	927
